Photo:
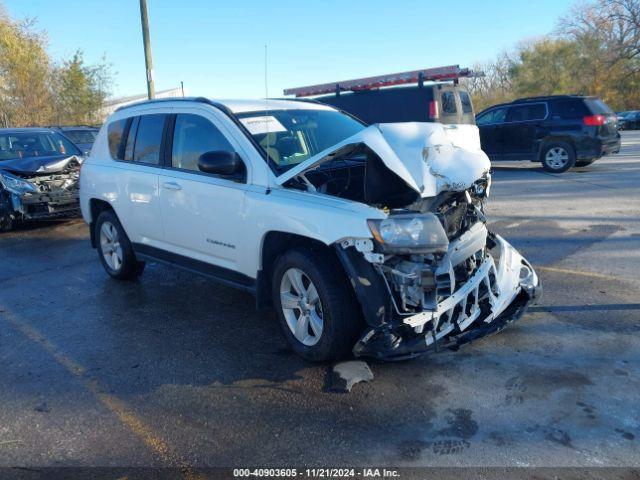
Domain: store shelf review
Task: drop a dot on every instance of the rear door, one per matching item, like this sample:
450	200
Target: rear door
490	124
139	148
449	109
520	132
466	108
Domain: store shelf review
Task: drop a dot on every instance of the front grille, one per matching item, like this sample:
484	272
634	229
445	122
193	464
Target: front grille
479	294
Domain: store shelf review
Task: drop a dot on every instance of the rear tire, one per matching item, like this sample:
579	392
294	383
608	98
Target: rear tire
315	304
557	157
114	248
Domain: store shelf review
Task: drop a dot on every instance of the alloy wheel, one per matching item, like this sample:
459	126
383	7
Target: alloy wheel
301	306
110	246
557	158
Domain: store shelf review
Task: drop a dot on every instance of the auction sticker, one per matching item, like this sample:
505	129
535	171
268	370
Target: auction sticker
263	124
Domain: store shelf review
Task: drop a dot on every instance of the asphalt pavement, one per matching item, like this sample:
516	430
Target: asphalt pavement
174	370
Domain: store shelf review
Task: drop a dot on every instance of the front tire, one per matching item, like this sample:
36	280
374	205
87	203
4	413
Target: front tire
6	217
316	307
6	223
558	157
114	248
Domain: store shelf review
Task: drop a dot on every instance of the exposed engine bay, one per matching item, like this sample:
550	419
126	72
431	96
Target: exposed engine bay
433	276
48	189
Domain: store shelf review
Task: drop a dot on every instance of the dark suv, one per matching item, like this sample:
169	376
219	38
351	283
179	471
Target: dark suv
560	131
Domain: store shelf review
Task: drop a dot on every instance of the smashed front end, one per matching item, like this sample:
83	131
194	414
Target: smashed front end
432	276
462	283
49	191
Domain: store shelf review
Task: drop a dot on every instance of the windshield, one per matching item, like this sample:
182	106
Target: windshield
34	144
290	137
80	136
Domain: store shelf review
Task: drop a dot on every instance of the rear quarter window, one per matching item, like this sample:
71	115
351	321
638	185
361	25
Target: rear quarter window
115	132
597	106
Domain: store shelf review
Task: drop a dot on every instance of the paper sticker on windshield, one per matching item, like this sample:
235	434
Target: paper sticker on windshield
264	124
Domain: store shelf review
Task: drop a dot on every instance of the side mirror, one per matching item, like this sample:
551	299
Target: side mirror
226	164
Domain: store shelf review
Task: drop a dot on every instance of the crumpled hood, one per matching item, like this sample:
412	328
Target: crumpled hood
429	157
39	165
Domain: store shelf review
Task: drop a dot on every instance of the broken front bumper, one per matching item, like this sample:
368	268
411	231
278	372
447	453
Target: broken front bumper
496	294
53	204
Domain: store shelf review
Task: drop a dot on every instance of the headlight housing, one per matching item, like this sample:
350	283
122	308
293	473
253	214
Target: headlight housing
16	185
410	233
482	186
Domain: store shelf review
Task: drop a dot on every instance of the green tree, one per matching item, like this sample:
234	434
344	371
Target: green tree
36	91
79	91
546	67
25	68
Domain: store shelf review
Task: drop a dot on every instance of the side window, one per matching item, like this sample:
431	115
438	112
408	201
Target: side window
523	113
465	101
537	111
131	139
493	116
448	102
485	118
194	135
115	131
148	139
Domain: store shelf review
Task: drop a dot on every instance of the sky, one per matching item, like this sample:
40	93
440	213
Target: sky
217	47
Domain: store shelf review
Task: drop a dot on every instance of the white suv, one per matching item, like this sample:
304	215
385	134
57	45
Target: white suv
369	239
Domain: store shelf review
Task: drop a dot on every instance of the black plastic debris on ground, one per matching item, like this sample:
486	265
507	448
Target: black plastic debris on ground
345	375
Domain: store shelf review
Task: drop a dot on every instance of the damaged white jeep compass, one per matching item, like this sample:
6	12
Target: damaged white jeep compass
369	240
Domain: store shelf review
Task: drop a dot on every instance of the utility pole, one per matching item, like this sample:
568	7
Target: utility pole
144	17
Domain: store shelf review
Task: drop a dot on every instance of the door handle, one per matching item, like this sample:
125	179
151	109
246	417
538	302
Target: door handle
171	186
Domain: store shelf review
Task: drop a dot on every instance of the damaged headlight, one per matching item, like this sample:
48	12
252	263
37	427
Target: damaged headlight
482	187
408	233
16	185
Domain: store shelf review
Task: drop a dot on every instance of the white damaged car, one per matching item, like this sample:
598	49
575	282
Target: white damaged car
365	239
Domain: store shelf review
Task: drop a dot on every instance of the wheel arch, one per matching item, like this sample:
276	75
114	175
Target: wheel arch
545	142
96	207
274	244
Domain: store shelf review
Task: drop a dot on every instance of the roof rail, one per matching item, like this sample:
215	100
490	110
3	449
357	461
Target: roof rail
162	100
546	97
448	73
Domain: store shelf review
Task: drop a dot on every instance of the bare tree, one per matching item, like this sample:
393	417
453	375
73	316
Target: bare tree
612	27
496	85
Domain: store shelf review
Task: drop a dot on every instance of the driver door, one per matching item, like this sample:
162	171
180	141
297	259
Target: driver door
202	214
490	125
